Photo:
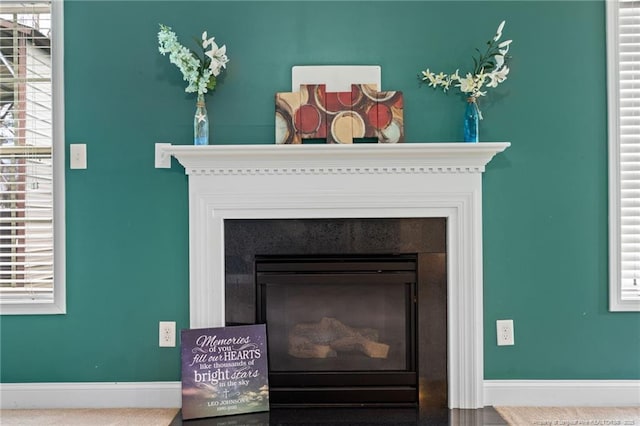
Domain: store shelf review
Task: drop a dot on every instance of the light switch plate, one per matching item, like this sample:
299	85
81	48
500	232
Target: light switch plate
78	156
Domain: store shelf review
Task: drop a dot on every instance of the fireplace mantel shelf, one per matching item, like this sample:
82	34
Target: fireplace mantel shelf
434	157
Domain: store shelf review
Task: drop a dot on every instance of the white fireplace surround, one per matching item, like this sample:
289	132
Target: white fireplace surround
345	181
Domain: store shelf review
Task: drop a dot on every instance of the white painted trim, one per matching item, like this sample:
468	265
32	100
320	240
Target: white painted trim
345	181
91	395
615	300
526	393
562	393
616	303
59	303
322	159
59	219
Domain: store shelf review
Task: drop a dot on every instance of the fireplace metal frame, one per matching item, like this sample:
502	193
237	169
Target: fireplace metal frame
352	387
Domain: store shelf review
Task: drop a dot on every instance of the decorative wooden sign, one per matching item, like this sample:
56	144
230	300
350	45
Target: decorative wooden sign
224	371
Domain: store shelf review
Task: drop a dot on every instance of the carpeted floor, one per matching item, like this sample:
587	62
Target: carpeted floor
522	416
515	416
89	417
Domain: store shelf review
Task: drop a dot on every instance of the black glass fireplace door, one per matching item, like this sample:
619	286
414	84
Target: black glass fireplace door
340	330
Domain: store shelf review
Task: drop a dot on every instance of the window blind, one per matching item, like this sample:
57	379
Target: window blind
26	172
629	147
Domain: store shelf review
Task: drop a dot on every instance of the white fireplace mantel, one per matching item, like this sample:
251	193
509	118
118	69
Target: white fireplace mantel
345	181
329	158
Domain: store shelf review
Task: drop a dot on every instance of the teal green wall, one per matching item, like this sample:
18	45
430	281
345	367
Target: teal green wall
545	215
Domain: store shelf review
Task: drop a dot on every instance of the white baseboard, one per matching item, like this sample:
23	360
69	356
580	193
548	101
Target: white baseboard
91	395
562	393
168	394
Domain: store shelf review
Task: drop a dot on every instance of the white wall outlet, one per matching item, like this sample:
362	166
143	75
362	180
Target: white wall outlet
78	156
167	334
504	329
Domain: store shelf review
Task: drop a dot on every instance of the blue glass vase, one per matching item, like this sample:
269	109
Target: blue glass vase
471	121
201	123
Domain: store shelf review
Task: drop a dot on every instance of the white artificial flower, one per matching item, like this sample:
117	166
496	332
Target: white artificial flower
505	48
218	58
429	76
467	84
498	76
479	82
501	74
494	80
206	41
446	83
499	31
473	82
188	63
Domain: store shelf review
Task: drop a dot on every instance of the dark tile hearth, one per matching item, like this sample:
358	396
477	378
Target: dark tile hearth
486	416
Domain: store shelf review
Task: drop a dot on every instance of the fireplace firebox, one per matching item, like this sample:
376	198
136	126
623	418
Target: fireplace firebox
355	308
341	329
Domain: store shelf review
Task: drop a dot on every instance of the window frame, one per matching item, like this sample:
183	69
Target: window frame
58	305
616	303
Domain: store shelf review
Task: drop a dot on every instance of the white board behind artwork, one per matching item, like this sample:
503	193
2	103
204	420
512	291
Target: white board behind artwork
338	78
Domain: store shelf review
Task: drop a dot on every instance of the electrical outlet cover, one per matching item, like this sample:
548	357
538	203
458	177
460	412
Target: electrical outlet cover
167	334
504	330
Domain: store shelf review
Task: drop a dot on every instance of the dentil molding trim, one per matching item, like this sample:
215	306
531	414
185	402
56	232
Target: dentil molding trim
330	158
